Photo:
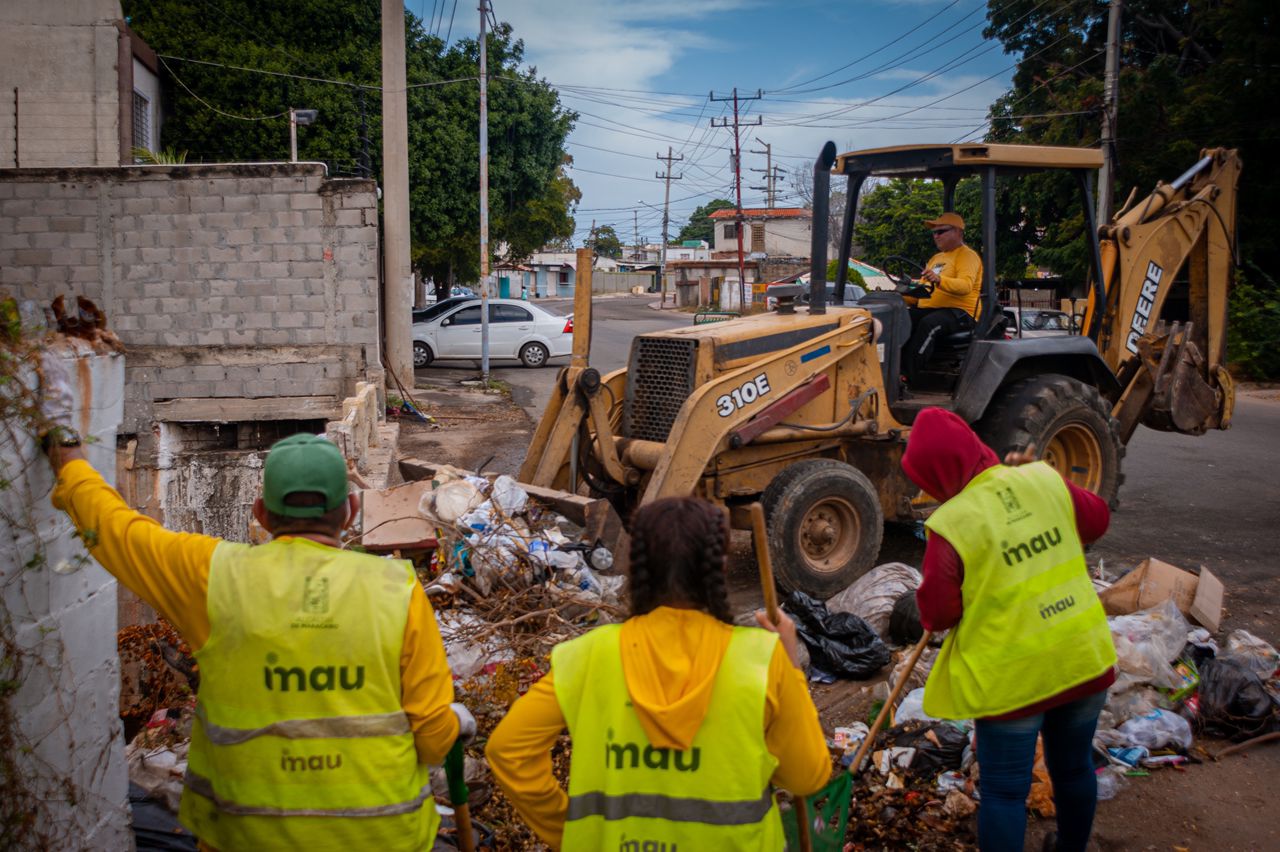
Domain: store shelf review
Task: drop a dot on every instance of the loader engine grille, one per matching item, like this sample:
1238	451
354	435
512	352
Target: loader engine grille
659	380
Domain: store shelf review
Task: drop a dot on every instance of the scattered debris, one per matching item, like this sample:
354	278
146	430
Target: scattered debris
1153	582
872	596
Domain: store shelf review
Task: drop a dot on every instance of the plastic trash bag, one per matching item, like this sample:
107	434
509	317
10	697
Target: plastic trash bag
1234	701
872	596
935	746
912	707
904	621
1146	643
1132	703
1156	730
1260	656
839	643
509	496
1110	780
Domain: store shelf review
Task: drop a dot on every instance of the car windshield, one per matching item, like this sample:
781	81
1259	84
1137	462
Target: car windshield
1046	321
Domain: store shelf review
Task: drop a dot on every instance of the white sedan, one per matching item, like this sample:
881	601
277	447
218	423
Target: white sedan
517	329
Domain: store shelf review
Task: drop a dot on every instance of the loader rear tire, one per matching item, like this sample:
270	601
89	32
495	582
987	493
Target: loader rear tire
825	526
1070	424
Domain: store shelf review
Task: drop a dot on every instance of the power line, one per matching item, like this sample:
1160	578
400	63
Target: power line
214	108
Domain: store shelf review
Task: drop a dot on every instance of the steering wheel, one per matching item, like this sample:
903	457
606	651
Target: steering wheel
905	273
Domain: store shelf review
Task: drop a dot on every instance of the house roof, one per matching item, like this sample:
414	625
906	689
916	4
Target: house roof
763	213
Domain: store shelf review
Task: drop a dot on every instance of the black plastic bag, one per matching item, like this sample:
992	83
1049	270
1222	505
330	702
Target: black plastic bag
904	621
840	643
939	745
1234	702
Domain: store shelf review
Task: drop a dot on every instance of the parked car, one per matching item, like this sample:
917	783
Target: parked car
1037	322
852	293
517	329
434	310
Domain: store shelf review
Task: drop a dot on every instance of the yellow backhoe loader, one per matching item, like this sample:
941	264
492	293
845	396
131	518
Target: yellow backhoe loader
801	408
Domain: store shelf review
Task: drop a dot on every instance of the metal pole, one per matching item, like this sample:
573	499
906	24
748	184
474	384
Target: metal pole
737	182
397	302
666	221
293	135
484	195
1106	177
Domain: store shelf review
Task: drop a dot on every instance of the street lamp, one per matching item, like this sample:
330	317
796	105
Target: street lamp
296	117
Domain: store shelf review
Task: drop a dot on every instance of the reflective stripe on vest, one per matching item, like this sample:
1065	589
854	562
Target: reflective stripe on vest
623	792
299	712
1032	625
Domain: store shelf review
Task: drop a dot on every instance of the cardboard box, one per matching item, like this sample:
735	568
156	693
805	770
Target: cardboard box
1152	582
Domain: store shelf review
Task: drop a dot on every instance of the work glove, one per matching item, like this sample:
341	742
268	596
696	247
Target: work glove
57	400
466	722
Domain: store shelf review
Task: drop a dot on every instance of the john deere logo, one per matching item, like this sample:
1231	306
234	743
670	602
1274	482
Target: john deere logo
315	595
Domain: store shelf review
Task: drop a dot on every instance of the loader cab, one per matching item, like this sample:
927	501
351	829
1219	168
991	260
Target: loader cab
959	358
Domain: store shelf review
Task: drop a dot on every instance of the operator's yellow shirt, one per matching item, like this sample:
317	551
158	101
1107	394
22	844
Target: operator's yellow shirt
669	659
170	571
961	287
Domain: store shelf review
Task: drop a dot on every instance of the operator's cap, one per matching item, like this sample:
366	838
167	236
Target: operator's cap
300	463
948	218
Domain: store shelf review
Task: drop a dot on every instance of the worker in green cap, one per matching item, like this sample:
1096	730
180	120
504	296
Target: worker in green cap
324	689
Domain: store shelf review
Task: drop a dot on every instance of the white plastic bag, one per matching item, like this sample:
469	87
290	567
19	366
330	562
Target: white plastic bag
912	707
871	597
1156	730
1110	780
1258	655
1146	642
510	496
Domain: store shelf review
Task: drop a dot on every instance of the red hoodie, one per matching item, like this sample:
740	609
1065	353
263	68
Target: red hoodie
943	455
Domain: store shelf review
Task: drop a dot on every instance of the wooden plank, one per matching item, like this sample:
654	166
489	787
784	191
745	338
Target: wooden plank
238	409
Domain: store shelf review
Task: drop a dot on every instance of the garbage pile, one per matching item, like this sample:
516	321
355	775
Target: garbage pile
507	580
1175	683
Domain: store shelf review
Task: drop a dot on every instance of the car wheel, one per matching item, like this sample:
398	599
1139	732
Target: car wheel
1070	424
534	355
825	526
421	354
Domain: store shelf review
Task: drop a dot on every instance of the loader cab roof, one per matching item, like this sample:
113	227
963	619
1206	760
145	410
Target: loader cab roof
956	161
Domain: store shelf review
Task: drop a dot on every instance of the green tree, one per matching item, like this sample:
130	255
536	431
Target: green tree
220	114
892	216
605	242
700	226
1192	76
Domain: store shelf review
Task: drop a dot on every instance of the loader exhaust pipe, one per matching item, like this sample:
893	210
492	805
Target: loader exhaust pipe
818	244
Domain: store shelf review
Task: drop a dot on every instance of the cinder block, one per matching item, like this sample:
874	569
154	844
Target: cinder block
261	387
276	337
257	253
18	207
211	338
85	274
350	218
294	252
206	204
176	305
136	206
239	237
157	322
52	274
86	240
265	234
291	319
256	287
221	254
309	303
255	221
8	242
33	257
29	224
306	269
238	203
274	269
156	255
306	201
50	207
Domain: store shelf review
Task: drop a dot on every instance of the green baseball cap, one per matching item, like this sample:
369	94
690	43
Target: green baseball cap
304	462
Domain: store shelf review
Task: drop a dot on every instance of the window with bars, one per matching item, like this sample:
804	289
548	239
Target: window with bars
731	230
757	236
141	121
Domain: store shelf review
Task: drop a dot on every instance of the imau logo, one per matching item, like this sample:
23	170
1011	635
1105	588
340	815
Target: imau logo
317	678
1057	606
630	754
1037	544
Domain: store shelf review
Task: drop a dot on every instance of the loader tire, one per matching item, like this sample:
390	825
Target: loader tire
1070	424
825	526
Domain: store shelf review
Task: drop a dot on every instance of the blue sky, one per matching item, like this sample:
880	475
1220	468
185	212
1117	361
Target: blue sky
863	74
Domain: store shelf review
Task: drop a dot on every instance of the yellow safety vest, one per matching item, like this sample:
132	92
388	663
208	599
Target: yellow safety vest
300	740
1033	625
625	794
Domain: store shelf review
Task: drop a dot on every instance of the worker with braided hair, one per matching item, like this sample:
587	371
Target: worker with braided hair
680	721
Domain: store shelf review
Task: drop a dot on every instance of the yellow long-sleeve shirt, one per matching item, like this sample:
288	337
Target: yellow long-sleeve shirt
961	286
170	571
669	659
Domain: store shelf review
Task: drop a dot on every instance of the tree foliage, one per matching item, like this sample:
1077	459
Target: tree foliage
1192	76
892	219
220	114
700	226
605	243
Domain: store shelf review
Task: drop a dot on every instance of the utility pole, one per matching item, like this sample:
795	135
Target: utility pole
397	294
737	179
768	172
635	224
666	218
1107	176
484	195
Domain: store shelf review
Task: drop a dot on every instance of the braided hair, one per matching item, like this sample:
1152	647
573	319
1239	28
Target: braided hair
678	552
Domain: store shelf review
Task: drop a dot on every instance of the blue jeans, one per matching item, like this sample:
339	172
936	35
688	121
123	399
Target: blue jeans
1006	754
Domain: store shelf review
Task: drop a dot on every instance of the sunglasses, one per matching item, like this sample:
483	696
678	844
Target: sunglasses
937	231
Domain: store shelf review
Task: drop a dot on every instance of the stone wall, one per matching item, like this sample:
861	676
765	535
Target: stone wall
242	292
59	609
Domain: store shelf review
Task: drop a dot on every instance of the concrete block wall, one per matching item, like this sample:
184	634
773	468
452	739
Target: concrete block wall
61	609
208	273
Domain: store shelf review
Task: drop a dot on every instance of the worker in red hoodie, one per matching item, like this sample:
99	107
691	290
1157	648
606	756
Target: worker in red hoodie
680	721
1029	650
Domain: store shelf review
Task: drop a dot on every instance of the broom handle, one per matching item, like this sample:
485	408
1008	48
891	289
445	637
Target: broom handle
771	608
856	766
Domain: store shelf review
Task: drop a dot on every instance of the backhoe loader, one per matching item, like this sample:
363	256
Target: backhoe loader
801	408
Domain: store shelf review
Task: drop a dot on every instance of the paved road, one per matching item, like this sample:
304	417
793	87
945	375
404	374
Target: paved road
617	320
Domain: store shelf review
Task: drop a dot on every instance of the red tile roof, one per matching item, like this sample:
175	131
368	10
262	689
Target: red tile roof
764	213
